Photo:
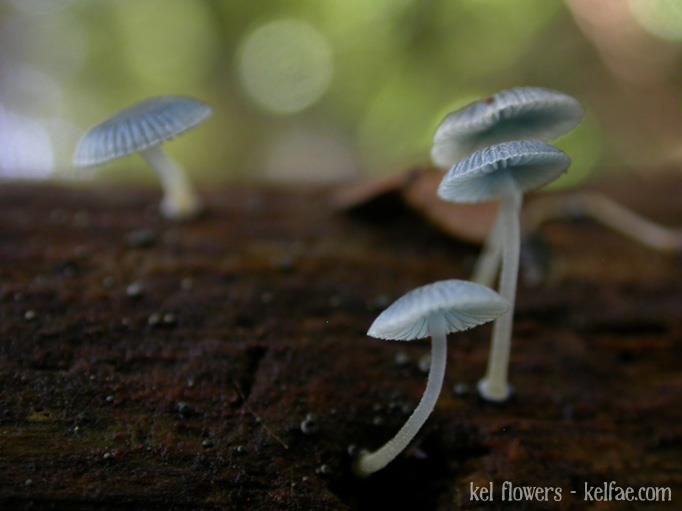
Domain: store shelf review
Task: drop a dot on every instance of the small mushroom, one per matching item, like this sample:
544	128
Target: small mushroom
143	128
433	310
503	171
514	114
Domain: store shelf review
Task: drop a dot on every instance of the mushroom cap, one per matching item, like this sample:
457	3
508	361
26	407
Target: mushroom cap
142	126
513	114
485	174
462	304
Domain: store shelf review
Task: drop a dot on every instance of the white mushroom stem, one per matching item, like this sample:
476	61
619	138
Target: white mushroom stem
607	212
488	263
595	206
369	463
494	386
179	200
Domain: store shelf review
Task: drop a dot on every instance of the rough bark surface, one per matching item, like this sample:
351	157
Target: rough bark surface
151	365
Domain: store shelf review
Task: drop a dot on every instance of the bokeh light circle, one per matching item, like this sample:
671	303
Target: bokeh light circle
26	151
661	18
285	65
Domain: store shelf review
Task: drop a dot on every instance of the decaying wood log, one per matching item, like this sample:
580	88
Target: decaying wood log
223	363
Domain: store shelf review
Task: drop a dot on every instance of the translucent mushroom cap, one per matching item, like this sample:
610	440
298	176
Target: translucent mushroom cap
142	126
462	304
514	114
485	174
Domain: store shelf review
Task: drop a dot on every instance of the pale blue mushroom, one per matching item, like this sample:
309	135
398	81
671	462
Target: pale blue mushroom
434	310
505	172
520	113
143	128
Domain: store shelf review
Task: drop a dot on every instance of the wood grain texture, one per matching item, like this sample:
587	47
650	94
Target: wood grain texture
189	390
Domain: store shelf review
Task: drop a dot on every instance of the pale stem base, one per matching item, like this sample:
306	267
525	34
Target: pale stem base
494	386
179	200
369	463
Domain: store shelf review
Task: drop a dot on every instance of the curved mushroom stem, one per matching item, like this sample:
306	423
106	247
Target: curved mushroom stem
494	387
488	262
369	463
179	200
592	205
609	213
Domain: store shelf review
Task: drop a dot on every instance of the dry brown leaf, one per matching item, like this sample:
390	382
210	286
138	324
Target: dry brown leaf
359	194
469	222
417	189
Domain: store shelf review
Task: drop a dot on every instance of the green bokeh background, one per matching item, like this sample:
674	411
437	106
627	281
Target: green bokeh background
398	66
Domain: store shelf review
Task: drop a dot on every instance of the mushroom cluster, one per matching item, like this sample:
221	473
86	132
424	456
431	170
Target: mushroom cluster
496	150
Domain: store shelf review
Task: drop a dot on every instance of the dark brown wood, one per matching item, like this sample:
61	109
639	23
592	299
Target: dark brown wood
150	365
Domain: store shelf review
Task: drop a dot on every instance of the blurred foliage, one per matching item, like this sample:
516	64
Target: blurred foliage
393	69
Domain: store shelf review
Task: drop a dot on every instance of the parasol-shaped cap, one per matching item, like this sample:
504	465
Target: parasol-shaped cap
461	304
514	114
485	175
142	126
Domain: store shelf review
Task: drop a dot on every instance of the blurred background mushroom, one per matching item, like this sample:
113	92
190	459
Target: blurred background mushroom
329	91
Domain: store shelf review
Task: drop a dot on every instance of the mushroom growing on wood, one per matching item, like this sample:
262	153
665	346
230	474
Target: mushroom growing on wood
143	128
520	113
433	310
505	172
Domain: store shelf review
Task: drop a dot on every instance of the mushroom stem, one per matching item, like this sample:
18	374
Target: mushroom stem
494	386
179	200
369	463
488	262
609	213
595	206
